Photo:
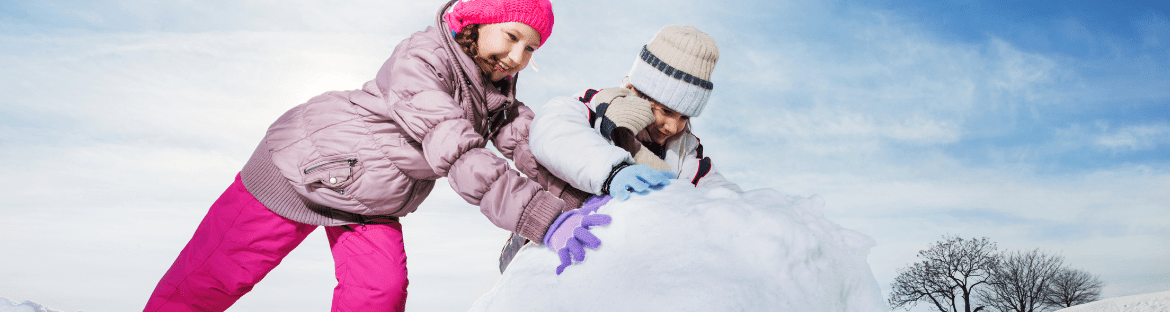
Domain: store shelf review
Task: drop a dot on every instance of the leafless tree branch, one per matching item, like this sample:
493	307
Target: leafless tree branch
1021	281
947	276
1072	287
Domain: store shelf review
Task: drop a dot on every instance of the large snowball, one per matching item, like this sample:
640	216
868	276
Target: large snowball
701	249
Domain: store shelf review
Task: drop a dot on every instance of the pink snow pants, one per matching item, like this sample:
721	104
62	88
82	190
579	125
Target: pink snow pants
240	241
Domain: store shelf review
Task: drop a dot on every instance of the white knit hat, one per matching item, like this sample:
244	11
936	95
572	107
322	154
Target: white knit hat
675	68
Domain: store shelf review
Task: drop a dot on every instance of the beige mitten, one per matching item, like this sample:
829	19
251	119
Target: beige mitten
645	157
607	95
631	112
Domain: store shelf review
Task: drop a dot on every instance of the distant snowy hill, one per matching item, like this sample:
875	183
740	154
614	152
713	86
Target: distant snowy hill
26	306
701	249
1153	302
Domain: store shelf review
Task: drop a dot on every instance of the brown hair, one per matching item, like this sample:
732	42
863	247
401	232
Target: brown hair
468	38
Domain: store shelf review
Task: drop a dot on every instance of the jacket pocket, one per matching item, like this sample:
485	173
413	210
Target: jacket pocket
334	172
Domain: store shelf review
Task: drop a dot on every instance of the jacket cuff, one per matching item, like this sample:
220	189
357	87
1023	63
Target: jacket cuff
609	179
538	215
573	198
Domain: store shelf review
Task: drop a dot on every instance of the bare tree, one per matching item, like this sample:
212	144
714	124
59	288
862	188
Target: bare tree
1020	282
1071	287
947	276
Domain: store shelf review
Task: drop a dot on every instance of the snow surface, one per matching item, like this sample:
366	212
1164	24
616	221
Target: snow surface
1152	302
26	306
701	249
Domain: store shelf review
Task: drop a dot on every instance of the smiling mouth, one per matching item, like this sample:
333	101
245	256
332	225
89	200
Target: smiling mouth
658	134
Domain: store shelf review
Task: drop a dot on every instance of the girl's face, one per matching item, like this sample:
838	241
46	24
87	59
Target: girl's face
507	45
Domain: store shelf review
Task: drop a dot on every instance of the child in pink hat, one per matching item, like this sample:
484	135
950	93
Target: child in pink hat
357	162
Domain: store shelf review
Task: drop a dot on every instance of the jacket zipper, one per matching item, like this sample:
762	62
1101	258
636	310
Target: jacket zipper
351	162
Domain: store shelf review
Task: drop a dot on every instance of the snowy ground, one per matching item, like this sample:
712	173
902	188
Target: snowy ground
26	306
1153	302
705	249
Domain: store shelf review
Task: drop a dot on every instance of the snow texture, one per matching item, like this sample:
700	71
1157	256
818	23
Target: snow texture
26	306
701	249
1152	302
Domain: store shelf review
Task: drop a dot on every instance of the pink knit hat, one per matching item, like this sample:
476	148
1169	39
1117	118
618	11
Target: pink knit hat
535	13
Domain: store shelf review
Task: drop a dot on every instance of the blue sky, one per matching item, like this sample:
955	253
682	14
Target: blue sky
1117	58
1037	124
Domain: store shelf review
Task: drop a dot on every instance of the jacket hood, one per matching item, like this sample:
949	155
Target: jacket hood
485	97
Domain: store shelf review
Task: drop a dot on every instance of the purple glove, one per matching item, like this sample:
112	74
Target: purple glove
569	234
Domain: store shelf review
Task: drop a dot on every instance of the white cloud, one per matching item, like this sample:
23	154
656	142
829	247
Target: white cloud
1119	140
879	85
1134	138
1018	76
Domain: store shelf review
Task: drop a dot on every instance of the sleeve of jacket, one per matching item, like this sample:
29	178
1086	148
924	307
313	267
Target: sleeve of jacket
420	101
512	142
563	141
514	133
700	171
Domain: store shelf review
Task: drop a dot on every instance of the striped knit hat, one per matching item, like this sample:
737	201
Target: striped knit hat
675	68
535	13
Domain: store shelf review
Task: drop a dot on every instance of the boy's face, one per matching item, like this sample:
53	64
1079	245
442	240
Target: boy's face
507	45
667	122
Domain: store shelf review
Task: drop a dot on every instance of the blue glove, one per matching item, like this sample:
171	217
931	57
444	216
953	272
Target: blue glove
638	179
569	234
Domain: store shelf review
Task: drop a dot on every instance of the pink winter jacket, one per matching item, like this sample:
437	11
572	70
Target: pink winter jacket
357	156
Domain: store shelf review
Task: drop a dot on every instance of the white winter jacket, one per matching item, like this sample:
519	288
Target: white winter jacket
565	141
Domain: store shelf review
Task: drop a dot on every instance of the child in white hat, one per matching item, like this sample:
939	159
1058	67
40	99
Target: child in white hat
590	140
636	137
